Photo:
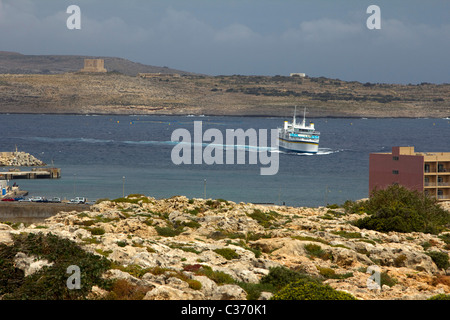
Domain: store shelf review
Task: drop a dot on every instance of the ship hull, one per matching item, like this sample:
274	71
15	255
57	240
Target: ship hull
298	146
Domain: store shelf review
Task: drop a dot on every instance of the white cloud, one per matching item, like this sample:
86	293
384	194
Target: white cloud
179	38
236	33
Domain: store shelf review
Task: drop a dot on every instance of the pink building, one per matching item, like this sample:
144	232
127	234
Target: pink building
425	172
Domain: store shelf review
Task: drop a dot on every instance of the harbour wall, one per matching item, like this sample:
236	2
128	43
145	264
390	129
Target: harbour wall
31	212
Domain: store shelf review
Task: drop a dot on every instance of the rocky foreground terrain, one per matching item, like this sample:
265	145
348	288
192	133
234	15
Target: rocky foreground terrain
178	236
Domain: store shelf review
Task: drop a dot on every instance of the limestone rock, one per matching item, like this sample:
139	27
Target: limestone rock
165	292
29	264
229	292
130	240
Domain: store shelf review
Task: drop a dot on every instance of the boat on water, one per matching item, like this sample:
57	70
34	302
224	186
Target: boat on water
299	137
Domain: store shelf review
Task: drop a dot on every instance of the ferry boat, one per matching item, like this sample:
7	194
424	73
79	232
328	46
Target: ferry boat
299	137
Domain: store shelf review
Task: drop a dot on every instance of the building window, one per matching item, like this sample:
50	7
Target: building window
427	168
394	171
395	158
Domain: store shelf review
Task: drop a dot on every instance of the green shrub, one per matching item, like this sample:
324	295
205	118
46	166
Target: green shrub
264	219
194	211
123	290
316	251
227	253
308	290
348	235
387	280
354	206
441	296
278	277
331	274
49	283
132	199
121	243
194	284
97	231
218	277
399	209
254	290
168	231
191	224
221	234
440	259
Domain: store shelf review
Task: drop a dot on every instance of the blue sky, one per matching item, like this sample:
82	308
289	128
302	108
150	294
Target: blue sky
251	37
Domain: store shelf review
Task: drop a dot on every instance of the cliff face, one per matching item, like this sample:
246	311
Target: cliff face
117	93
179	236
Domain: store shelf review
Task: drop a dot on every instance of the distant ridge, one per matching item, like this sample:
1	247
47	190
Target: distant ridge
17	63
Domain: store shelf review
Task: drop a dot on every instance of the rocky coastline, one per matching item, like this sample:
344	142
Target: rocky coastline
243	241
19	159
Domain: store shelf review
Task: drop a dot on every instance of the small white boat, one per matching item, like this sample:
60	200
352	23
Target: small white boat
299	137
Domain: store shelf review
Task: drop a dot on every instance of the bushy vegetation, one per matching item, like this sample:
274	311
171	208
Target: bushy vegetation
218	277
263	218
440	259
315	250
274	281
50	282
441	296
168	231
308	290
279	277
132	198
227	253
399	209
121	289
279	281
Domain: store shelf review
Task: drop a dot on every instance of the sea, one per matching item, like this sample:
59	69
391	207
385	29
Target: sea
108	156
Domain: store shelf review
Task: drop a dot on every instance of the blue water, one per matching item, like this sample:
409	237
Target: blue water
106	156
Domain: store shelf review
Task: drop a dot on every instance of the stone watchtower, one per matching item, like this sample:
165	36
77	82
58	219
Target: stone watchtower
94	65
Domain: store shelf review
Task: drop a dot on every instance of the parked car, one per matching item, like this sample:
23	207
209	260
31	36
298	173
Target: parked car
8	199
36	199
55	200
78	200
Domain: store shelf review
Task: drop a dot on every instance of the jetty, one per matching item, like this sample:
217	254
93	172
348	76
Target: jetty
35	173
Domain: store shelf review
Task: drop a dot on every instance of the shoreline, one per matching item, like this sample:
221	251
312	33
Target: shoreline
212	115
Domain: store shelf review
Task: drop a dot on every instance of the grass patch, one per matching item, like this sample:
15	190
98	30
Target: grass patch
135	199
263	218
316	251
303	238
307	290
168	231
348	235
329	273
218	277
